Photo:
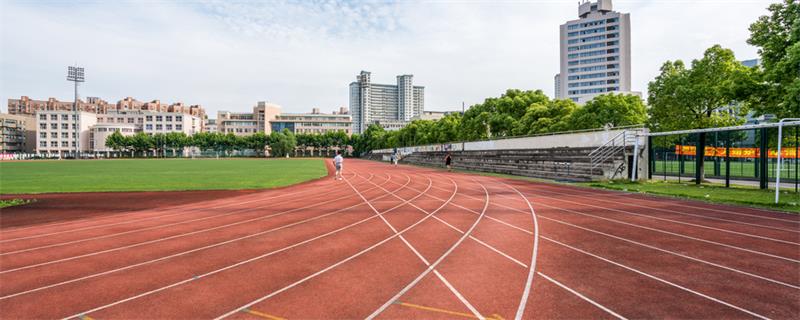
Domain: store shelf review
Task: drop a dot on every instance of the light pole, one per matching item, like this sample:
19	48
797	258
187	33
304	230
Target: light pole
75	74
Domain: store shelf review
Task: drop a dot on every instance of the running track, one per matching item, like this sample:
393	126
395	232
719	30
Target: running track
407	242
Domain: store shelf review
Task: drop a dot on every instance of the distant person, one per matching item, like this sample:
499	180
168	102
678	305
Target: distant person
337	163
394	159
448	161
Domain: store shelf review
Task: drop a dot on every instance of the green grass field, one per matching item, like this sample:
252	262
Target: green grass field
741	195
155	174
738	168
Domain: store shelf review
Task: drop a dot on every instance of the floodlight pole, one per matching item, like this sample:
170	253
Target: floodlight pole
75	74
778	167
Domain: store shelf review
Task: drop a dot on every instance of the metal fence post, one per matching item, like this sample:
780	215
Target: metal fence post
764	158
727	159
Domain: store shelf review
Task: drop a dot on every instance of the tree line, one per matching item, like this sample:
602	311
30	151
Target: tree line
278	144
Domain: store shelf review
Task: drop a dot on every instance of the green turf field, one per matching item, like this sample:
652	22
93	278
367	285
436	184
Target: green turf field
738	168
155	174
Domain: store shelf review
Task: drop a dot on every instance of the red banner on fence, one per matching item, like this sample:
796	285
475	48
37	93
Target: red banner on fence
786	153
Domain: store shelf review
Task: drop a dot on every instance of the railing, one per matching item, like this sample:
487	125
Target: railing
613	147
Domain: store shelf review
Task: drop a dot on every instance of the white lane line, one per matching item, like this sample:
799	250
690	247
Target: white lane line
664	219
673	253
136	230
435	263
531	272
427	263
483	243
663	231
602	307
170	237
680	203
685	213
675	234
311	276
184	211
655	248
235	265
657	279
175	255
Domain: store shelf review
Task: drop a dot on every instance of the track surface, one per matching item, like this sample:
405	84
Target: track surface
407	242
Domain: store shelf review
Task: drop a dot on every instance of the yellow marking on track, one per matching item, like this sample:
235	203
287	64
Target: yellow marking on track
445	311
262	315
84	317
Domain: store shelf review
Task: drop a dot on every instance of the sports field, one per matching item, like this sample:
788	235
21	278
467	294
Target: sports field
409	243
155	174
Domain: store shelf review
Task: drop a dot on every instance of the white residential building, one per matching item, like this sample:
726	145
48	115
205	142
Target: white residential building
381	103
60	133
595	53
154	122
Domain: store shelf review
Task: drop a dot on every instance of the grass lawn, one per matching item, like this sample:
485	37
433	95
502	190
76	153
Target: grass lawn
155	174
741	195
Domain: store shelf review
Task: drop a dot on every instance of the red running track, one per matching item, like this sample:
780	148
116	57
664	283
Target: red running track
409	242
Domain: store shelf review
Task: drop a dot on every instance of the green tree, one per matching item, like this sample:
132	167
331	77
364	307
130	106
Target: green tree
546	116
116	141
699	97
777	36
282	143
611	109
141	143
176	141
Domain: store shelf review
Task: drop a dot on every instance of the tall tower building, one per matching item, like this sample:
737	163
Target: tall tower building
595	53
383	103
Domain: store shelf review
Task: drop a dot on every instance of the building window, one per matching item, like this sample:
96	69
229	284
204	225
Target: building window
43	143
74	126
178	127
159	127
120	120
148	127
42	117
53	144
141	120
42	126
64	126
169	118
110	120
130	120
159	118
42	134
64	144
178	118
169	127
149	118
64	117
65	135
54	117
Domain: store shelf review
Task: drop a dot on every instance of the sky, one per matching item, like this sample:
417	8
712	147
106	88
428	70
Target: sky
228	55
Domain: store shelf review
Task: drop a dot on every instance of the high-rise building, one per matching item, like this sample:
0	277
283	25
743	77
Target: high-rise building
557	80
595	52
375	103
17	133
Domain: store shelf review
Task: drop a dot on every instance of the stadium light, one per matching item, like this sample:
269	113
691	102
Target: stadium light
76	75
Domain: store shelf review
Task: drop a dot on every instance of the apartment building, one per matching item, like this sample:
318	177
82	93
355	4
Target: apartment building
101	131
382	103
313	123
27	106
595	53
62	133
151	122
17	133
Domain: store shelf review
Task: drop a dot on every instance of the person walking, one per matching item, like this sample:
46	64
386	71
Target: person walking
394	158
337	163
448	161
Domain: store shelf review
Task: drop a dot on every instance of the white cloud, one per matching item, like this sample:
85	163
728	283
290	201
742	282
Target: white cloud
228	55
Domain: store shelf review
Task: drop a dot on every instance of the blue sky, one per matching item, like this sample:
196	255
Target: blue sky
227	55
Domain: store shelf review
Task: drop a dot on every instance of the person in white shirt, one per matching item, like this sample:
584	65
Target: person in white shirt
337	162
